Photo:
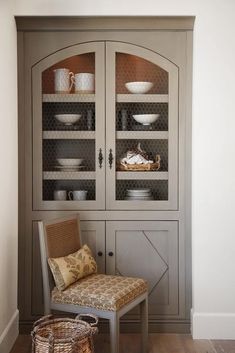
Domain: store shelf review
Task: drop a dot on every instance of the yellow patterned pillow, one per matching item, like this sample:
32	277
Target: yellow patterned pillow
68	269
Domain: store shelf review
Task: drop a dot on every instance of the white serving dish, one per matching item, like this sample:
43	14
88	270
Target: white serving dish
139	87
68	168
139	198
68	119
146	119
141	192
69	161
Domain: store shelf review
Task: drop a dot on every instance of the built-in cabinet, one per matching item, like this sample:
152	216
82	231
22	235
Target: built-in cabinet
101	130
144	233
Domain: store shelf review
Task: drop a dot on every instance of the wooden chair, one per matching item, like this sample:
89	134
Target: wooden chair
61	237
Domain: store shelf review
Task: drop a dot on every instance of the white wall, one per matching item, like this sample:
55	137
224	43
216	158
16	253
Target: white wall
8	179
213	164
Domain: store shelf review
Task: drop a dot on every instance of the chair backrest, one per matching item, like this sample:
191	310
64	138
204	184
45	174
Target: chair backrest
58	237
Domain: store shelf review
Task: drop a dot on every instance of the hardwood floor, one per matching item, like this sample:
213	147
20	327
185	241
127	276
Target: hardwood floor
158	343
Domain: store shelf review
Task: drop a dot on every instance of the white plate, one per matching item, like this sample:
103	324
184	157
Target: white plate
138	190
69	168
139	198
134	193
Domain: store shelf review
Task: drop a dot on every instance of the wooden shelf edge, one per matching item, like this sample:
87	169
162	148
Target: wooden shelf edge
67	135
70	175
150	135
143	98
147	175
68	97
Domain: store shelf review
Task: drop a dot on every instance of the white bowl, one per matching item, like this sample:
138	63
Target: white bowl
69	162
139	87
68	119
146	119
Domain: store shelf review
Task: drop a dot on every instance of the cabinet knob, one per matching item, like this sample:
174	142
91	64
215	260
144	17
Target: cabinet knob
99	253
110	253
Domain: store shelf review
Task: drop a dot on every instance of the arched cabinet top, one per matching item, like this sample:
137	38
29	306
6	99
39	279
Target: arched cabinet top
112	46
144	53
65	53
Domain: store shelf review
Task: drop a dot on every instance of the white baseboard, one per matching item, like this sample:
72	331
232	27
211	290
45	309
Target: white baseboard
213	325
9	335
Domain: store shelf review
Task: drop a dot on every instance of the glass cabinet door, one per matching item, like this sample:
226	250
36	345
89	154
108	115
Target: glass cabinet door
141	129
69	129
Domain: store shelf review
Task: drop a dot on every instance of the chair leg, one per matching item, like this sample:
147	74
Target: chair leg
144	324
114	333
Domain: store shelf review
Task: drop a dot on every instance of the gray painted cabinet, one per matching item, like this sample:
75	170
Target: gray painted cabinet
136	221
149	249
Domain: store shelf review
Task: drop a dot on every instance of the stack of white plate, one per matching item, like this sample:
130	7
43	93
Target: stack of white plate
67	168
69	164
139	194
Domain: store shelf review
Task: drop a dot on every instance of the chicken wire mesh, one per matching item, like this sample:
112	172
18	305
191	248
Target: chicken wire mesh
60	81
85	122
54	149
152	147
131	109
158	188
131	68
49	186
72	75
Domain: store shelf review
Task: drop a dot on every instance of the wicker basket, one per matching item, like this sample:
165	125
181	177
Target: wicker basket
63	335
141	167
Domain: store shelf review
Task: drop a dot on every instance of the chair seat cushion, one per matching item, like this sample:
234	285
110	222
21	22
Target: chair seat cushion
103	292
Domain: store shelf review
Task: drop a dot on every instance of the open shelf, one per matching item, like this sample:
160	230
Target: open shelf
67	135
144	98
149	135
68	175
68	97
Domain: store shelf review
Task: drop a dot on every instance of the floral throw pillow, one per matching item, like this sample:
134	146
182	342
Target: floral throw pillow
68	269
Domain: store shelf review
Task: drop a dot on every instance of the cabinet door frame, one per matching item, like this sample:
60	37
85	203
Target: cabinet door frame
111	203
99	228
176	274
99	202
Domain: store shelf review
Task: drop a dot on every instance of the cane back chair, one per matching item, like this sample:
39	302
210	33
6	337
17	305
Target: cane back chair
61	237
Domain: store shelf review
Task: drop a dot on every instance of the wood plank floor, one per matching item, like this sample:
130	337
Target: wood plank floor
158	343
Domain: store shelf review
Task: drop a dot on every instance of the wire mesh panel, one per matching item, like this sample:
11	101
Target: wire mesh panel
54	115
51	186
131	68
52	79
141	106
151	147
130	109
55	150
69	106
157	190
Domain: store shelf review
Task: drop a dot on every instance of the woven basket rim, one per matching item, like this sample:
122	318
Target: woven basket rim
86	332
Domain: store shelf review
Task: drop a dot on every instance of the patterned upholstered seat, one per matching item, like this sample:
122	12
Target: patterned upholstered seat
108	297
103	292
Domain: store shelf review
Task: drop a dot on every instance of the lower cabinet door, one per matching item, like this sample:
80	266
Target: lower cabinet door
147	249
92	233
